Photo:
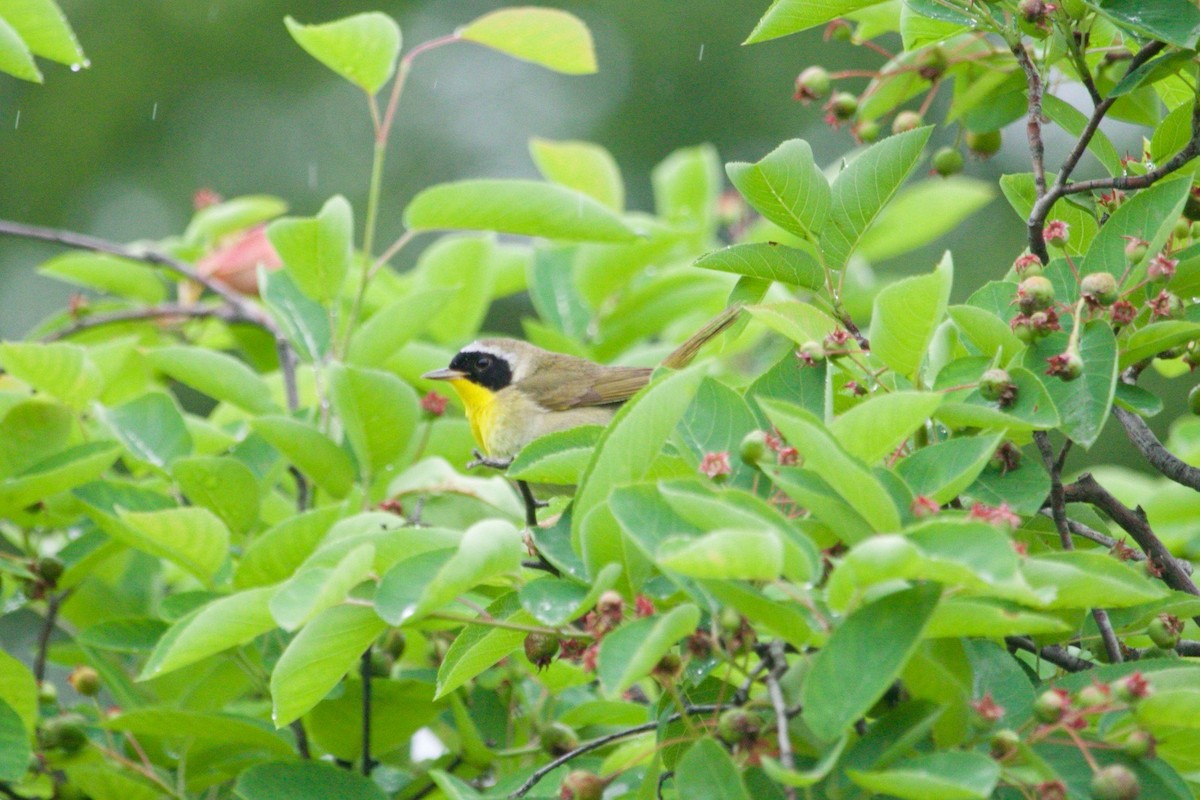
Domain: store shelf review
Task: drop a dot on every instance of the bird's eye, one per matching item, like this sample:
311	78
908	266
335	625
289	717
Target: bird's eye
484	362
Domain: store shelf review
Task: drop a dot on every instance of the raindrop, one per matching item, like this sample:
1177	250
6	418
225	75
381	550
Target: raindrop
312	176
76	67
435	83
701	53
154	112
17	123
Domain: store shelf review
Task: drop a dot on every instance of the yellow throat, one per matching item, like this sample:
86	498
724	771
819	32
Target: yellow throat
480	404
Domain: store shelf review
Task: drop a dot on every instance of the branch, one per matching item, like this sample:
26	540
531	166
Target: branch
1056	655
53	603
164	312
301	739
596	744
776	667
1033	128
365	674
1160	457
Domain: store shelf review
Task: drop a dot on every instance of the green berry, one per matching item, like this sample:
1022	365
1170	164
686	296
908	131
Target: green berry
1035	293
867	131
582	785
50	569
994	383
381	663
1164	632
1049	706
843	106
1115	782
1094	695
1194	399
1004	743
813	84
948	161
85	680
906	121
1139	744
738	726
558	739
541	648
1100	288
983	144
753	448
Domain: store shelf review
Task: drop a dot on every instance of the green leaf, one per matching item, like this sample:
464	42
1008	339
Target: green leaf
58	473
724	553
224	623
874	428
808	775
706	772
61	370
320	656
151	427
862	189
311	591
216	374
906	315
545	36
986	331
1083	403
769	261
800	322
717	421
311	451
335	724
582	166
943	470
792	16
624	454
274	555
19	690
489	548
214	222
784	620
1175	22
559	458
15	751
958	617
787	188
304	780
317	251
45	30
478	647
629	653
223	485
1021	192
686	185
873	644
1023	488
466	266
116	276
530	208
555	601
1073	121
844	473
1150	215
953	775
1153	71
379	413
1155	338
15	58
923	213
1088	579
396	324
253	740
1137	400
302	319
361	48
192	537
130	635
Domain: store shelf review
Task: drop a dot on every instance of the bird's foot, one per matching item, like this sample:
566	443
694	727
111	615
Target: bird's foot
481	460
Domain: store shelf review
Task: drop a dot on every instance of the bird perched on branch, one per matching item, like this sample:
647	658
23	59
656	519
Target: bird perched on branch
515	392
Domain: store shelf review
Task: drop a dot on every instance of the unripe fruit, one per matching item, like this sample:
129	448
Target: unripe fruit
994	383
1049	706
1091	696
1035	293
611	605
1163	632
581	785
1032	10
47	693
1100	288
85	680
813	84
50	569
1071	367
1183	228
1025	330
867	131
1139	744
753	448
541	648
1136	250
66	733
1115	782
906	121
1132	687
983	144
948	161
843	106
668	668
1004	743
558	739
738	726
812	352
381	663
1194	399
394	644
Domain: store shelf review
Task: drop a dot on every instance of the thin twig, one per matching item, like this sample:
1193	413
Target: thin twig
1056	655
1160	457
301	739
777	666
1084	532
364	672
1033	127
167	312
53	604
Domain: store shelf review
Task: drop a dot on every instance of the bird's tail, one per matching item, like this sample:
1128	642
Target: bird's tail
683	355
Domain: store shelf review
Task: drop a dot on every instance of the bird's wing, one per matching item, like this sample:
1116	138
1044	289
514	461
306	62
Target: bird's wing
609	386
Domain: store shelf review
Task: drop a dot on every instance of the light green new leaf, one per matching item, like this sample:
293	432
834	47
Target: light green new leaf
65	470
19	690
906	315
844	473
396	324
555	601
798	321
312	590
706	772
559	458
216	374
1150	215
1073	121
15	751
960	617
303	320
951	775
1086	579
361	48
317	251
792	16
1154	338
478	647
212	223
320	656
582	166
1175	22
873	644
59	369
1021	192
787	188
1083	404
311	451
274	555
874	428
304	780
545	36
923	213
116	276
223	485
861	190
726	553
190	536
767	261
943	470
223	623
530	208
986	331
629	653
379	413
45	30
15	58
686	185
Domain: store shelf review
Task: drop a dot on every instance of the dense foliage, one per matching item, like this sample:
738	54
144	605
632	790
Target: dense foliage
841	556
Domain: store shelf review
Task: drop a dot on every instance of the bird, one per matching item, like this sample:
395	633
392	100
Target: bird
514	392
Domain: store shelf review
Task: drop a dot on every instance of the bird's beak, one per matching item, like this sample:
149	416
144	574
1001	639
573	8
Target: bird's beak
446	374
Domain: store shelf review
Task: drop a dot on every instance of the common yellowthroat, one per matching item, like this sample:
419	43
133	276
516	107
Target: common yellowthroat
515	392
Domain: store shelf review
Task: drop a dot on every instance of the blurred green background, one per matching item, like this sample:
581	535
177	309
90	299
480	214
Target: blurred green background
184	94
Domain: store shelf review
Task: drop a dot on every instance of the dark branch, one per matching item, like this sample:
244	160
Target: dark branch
53	603
365	674
1084	532
1056	655
1160	457
301	739
167	313
1033	127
